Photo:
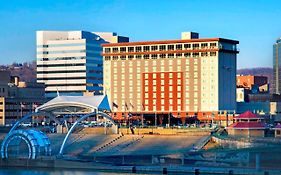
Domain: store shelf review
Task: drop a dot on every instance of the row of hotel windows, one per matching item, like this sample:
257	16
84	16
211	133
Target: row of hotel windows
159	47
156	56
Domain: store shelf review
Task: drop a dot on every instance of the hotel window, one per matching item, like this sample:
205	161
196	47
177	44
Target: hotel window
179	81
162	55
171	47
204	54
154	95
170	75
115	70
146	76
162	47
123	57
107	50
130	57
179	47
179	95
154	63
187	46
162	94
179	75
178	55
122	49
187	55
179	88
204	45
138	49
162	82
195	46
170	55
131	49
146	89
170	82
162	75
213	45
138	56
115	49
146	82
115	57
213	54
162	63
179	68
170	95
146	56
146	48
154	82
170	62
179	101
154	88
170	88
195	54
171	102
162	101
154	56
163	107
107	58
154	48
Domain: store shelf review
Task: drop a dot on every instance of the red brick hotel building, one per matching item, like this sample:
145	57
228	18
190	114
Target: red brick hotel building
185	77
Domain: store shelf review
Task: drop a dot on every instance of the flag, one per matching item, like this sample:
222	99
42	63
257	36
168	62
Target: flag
22	105
34	105
132	106
126	106
143	108
114	105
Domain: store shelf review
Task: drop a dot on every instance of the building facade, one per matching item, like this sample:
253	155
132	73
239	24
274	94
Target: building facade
182	77
250	81
18	98
70	62
276	85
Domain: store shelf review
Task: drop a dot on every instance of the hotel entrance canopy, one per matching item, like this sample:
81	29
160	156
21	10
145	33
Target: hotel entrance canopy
76	104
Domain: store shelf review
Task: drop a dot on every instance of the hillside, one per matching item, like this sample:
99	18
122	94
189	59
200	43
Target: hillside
26	71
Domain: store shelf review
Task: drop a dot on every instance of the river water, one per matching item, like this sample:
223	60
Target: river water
19	171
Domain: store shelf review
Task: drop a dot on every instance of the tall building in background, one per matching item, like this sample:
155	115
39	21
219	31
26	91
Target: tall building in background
185	77
70	62
276	86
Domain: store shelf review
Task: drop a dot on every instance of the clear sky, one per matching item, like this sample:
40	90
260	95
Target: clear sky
255	23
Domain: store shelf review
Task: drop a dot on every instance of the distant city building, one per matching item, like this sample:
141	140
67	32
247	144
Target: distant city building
185	77
251	81
250	84
276	85
18	98
70	62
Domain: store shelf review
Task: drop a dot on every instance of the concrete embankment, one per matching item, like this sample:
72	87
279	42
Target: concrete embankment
63	164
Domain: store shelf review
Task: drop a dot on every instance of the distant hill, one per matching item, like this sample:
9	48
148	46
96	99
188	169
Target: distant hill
26	71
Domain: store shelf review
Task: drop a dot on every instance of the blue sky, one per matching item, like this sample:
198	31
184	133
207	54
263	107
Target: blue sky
255	23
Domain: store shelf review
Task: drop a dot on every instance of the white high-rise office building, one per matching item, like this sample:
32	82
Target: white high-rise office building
70	62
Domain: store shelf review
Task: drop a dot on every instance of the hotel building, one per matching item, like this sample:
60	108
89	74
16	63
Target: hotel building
276	84
185	77
70	62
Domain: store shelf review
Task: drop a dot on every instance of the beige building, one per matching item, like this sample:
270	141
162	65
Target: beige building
18	98
189	76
